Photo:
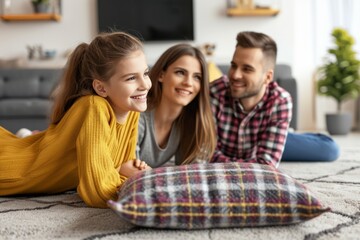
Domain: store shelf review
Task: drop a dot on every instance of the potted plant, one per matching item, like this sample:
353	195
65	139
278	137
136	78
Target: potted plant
339	79
41	6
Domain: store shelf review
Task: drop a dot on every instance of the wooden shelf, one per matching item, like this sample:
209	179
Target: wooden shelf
31	17
252	12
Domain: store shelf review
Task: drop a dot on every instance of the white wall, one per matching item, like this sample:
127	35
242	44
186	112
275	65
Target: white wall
290	29
78	24
304	63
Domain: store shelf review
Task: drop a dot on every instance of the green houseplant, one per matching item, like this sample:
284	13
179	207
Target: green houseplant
339	78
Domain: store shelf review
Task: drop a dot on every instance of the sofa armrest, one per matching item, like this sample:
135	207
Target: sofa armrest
289	84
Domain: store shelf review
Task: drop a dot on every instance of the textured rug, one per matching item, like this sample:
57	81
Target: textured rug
65	216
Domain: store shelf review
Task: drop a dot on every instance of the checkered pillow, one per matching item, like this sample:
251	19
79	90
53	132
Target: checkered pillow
214	195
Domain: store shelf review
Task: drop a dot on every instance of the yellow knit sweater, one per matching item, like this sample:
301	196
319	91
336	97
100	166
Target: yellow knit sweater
82	151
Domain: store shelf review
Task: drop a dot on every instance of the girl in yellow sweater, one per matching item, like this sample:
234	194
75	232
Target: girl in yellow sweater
90	144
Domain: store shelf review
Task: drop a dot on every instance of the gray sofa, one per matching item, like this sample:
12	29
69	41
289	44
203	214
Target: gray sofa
283	76
24	97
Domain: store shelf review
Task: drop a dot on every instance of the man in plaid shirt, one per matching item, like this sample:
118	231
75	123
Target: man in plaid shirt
252	113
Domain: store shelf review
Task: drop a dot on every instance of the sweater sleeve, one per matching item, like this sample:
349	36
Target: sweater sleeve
98	177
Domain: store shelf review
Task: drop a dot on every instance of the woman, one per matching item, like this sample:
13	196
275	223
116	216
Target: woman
90	144
179	120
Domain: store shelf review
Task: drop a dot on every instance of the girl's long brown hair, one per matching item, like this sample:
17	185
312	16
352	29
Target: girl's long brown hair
196	122
88	62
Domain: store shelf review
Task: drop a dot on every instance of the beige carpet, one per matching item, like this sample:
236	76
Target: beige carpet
65	216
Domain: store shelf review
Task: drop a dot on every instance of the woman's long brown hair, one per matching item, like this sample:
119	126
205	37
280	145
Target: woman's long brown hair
196	122
88	62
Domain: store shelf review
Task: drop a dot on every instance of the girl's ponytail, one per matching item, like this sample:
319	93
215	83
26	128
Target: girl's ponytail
70	87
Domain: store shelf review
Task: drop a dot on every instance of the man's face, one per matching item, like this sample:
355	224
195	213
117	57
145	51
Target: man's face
248	76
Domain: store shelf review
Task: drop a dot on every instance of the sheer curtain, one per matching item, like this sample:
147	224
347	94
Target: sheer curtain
334	13
327	15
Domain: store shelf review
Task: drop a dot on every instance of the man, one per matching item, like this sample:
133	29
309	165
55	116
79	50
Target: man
252	113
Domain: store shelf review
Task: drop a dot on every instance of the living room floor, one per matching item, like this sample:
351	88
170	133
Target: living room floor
65	216
350	140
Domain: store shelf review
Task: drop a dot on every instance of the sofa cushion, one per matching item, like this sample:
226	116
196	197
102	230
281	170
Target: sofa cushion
1	87
282	71
21	87
31	107
28	83
200	196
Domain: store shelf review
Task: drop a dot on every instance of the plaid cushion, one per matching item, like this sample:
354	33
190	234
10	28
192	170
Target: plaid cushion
213	195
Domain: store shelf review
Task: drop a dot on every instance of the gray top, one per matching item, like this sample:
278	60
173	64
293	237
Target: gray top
148	150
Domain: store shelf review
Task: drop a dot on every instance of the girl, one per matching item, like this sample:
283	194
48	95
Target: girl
90	144
179	120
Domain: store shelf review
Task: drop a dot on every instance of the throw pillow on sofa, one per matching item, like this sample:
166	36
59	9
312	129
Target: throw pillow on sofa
200	196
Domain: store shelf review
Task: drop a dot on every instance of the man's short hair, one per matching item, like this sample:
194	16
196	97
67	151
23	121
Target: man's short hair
268	46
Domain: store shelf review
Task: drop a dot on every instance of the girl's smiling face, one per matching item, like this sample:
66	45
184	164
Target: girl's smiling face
127	89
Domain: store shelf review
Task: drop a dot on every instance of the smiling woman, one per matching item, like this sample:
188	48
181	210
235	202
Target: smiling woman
178	122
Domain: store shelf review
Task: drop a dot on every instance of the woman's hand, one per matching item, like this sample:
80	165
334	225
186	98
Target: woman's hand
132	167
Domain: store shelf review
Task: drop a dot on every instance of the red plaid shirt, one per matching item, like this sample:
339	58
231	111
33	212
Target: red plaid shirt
256	136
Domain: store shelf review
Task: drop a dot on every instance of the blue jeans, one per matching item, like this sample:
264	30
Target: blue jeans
310	147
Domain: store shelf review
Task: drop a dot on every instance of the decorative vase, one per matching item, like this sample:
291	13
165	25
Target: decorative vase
338	123
41	7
